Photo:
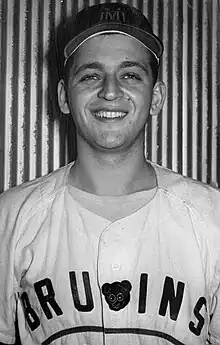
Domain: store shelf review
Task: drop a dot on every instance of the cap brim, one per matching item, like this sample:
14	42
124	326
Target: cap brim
151	42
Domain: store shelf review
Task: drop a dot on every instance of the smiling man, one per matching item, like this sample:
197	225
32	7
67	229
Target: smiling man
111	249
111	93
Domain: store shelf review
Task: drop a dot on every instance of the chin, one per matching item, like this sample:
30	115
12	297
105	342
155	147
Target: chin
111	147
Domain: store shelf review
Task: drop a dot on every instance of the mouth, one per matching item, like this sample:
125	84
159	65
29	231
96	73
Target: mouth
102	115
116	306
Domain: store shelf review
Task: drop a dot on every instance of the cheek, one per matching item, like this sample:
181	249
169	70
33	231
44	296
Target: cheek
78	101
146	95
141	95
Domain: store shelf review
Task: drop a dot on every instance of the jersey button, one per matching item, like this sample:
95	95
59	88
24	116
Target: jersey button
115	267
114	322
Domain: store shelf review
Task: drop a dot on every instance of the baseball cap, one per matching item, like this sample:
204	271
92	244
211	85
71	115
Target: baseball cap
112	18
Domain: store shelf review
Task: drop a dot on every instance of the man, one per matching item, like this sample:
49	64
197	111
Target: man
111	249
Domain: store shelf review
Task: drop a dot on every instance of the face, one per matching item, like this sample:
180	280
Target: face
110	93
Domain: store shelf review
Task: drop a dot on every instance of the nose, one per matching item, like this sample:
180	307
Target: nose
110	89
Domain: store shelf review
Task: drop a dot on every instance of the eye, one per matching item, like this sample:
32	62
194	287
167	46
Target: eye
89	77
120	297
131	76
111	297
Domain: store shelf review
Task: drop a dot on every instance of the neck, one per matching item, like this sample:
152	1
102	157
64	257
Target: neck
112	174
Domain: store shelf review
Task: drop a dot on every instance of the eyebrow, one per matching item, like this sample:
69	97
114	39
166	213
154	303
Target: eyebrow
89	65
99	66
141	65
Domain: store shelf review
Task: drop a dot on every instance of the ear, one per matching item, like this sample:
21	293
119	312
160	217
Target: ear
158	98
62	97
106	288
126	284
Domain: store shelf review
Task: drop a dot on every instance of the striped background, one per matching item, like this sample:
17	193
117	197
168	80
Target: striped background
35	138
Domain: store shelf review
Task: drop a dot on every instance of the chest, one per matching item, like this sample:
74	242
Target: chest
141	273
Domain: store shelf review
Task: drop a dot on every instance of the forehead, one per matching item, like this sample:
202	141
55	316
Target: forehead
111	49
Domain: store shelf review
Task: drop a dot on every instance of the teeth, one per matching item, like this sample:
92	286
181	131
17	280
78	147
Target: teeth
110	114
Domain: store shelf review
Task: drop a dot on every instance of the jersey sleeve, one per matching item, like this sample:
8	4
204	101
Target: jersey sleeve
8	296
214	327
205	201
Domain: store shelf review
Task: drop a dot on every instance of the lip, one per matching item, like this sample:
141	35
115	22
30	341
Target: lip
104	119
119	110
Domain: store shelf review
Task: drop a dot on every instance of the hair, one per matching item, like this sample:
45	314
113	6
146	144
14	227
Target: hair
154	64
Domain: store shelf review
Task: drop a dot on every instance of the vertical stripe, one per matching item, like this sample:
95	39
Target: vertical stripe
176	115
164	116
195	89
8	174
215	95
205	108
3	56
33	135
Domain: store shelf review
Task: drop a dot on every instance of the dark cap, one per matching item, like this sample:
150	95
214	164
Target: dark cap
115	18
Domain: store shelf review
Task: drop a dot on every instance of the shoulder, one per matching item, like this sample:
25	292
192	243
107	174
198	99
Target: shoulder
29	194
200	197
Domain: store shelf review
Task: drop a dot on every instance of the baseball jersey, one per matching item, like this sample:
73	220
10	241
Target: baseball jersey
73	276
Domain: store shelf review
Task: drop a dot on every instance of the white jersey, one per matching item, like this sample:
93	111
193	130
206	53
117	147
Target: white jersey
152	277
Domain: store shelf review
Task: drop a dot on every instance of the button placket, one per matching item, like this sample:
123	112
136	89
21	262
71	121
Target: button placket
109	250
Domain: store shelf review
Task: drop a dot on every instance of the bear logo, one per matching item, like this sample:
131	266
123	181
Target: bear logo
117	294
